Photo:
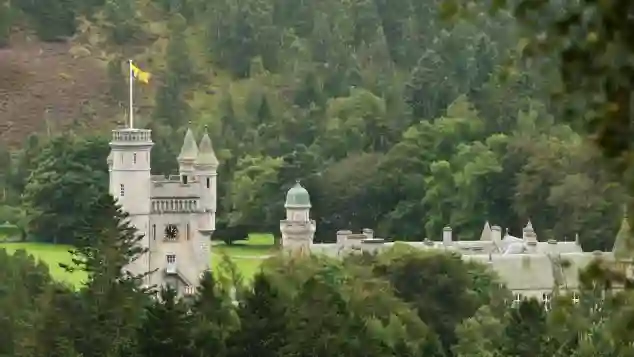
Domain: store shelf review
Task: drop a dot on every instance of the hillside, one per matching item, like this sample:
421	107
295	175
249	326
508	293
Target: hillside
44	86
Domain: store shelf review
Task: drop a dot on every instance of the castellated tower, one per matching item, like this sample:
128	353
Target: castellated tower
129	164
176	214
297	229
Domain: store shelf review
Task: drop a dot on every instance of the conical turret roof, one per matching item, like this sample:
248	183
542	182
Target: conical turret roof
486	232
206	154
189	150
624	242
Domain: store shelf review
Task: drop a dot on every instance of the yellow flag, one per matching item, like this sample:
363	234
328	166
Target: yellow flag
139	74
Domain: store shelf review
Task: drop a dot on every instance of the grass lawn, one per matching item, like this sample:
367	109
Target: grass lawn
52	255
247	255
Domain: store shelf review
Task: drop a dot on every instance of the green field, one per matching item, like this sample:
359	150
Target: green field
247	255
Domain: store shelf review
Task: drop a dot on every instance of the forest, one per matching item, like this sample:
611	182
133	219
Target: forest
393	117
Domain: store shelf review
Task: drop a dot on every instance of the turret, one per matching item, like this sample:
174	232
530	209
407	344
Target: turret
206	170
447	239
297	229
528	233
187	156
530	238
129	166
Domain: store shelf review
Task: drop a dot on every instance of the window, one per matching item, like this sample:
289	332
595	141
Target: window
134	158
575	298
185	179
121	190
154	231
187	231
546	301
171	258
517	299
208	182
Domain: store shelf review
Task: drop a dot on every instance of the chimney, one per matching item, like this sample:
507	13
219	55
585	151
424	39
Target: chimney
368	233
446	236
342	237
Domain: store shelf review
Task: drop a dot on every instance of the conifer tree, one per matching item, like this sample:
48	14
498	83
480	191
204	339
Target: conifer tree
263	321
212	318
107	243
166	328
112	298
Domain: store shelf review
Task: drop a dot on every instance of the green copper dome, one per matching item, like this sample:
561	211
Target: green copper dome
297	197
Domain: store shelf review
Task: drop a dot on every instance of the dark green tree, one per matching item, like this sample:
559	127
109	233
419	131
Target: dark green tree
166	328
212	318
113	295
263	321
69	173
526	330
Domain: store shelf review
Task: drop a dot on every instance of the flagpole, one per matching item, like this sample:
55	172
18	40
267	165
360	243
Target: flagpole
131	109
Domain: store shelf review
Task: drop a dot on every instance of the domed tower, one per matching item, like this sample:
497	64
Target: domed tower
297	229
187	156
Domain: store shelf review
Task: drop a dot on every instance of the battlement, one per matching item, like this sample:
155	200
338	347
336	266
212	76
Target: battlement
174	189
161	179
127	136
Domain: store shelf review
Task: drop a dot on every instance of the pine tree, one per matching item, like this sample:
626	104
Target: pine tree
112	298
263	322
213	321
107	243
166	328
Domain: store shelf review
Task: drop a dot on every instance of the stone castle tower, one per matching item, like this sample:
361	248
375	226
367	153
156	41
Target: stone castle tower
297	229
176	214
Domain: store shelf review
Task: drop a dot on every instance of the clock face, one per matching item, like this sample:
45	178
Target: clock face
171	232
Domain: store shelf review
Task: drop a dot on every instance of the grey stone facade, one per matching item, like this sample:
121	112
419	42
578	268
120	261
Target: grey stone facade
175	214
528	267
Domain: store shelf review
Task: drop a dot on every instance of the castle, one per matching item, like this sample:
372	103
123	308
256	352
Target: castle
176	215
528	267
